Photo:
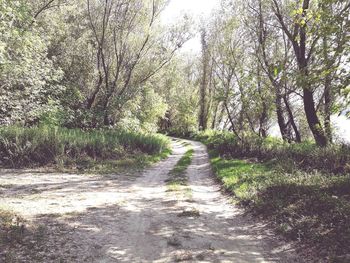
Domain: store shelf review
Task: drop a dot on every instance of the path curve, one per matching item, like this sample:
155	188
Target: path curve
127	218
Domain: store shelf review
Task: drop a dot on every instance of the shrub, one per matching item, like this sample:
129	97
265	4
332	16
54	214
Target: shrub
305	206
306	156
44	145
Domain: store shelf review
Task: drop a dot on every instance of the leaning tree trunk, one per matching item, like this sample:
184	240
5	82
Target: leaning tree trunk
292	120
308	99
233	126
299	42
312	118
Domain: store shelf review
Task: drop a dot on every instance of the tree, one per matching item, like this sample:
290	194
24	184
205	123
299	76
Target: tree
178	84
30	84
275	63
130	49
205	83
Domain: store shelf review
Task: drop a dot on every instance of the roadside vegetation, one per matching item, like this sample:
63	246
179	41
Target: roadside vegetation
86	85
306	156
302	190
94	150
178	181
12	231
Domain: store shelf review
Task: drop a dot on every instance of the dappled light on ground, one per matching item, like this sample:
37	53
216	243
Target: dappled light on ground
118	218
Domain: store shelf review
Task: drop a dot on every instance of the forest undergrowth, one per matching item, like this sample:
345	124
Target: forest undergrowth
75	149
302	190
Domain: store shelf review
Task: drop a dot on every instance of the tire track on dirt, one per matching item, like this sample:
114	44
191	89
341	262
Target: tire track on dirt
127	218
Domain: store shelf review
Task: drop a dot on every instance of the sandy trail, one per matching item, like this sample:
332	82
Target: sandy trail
130	218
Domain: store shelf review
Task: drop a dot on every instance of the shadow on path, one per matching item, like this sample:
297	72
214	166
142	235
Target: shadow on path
113	219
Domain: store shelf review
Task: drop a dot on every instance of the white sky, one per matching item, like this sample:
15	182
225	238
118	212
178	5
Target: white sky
341	126
196	8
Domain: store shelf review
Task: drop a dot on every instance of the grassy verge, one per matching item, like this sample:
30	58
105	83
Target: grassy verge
73	149
312	208
304	156
11	227
126	164
302	189
178	181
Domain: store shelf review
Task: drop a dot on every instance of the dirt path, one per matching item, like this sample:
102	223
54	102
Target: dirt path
129	218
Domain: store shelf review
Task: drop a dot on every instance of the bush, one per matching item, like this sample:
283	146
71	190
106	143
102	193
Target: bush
302	206
46	145
307	200
306	156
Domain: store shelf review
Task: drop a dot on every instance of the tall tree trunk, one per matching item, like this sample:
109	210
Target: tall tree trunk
203	117
263	118
299	42
291	119
221	115
91	100
328	98
280	117
308	99
327	108
213	124
312	118
262	124
233	126
106	121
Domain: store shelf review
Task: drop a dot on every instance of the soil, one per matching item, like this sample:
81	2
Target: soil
133	218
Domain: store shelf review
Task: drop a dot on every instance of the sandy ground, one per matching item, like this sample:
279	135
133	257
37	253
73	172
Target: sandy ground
133	218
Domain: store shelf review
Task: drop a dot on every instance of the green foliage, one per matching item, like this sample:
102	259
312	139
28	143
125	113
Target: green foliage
306	156
185	116
53	71
182	164
28	77
143	112
309	207
53	145
177	85
178	180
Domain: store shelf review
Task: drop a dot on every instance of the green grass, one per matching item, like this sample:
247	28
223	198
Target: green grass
11	226
178	181
240	177
313	208
74	148
305	156
182	164
302	189
127	164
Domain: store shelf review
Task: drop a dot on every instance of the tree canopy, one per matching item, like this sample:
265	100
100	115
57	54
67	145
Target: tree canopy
90	64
